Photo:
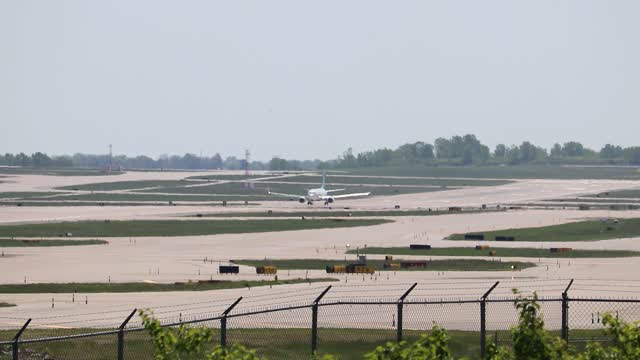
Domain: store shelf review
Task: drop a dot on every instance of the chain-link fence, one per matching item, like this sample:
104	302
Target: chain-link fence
343	327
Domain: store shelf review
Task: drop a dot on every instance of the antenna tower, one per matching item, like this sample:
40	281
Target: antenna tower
247	158
110	158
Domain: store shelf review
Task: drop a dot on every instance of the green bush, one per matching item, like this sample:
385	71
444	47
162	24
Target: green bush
184	343
429	347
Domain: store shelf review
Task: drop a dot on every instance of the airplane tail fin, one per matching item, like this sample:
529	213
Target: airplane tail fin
324	175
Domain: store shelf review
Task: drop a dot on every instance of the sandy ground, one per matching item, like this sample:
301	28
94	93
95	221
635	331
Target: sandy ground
172	259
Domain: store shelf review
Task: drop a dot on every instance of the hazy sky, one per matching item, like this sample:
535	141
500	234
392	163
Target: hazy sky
304	79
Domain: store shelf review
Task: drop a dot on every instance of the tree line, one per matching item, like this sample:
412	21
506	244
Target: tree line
187	161
455	151
468	150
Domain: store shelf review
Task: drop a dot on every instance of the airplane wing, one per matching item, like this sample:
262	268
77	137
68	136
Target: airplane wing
348	195
334	190
285	195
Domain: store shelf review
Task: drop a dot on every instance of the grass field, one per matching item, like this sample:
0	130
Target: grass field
55	171
233	202
26	195
289	343
500	252
230	177
336	179
156	197
89	288
576	231
343	213
46	243
594	201
45	203
127	185
506	172
175	227
277	343
262	189
630	193
433	265
6	304
215	203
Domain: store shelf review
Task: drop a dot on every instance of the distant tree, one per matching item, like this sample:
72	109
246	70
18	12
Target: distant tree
190	161
556	151
216	161
416	152
232	163
443	148
572	149
40	160
611	152
632	155
278	163
62	161
22	159
500	152
8	159
527	152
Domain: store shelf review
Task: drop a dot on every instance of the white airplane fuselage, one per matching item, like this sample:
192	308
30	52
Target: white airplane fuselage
316	194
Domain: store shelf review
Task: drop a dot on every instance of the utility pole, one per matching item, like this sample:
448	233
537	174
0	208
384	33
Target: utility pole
110	158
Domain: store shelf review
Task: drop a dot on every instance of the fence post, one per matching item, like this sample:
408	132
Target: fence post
121	335
314	321
565	313
223	323
400	308
14	346
483	320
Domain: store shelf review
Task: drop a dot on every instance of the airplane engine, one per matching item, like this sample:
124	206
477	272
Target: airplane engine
329	200
302	200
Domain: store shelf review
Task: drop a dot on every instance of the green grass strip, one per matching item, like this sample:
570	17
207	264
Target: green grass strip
577	231
47	243
6	304
175	227
343	213
127	185
433	265
87	288
274	343
500	252
27	194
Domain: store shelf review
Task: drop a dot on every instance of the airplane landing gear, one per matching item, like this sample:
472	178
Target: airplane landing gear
309	203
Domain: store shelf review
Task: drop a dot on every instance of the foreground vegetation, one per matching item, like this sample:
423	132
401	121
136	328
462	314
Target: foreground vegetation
432	265
499	252
275	343
46	243
577	231
88	288
175	227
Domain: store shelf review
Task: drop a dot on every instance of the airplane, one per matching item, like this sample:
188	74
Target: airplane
320	194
